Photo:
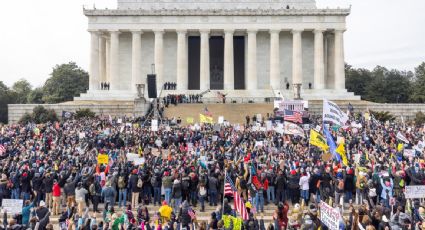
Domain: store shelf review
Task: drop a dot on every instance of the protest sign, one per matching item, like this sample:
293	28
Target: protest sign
292	129
409	153
154	126
102	159
119	121
220	120
12	206
269	125
332	113
81	135
402	137
414	191
329	216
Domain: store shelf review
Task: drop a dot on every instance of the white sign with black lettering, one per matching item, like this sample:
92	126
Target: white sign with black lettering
12	206
414	191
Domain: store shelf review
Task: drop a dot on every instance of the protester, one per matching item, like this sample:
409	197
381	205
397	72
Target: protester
54	164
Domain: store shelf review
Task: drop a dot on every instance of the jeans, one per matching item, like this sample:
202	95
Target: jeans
304	195
270	194
259	202
317	196
359	196
156	195
213	198
348	196
167	192
122	198
177	202
338	197
193	196
202	201
15	193
25	195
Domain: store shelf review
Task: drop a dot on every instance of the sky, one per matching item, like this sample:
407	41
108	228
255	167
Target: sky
37	35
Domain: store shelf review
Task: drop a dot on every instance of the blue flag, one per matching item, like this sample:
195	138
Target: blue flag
331	143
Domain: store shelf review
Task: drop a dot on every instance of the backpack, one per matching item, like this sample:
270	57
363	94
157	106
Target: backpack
340	184
121	182
139	183
185	184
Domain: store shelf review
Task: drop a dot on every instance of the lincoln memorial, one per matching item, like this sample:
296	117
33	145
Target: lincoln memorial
242	48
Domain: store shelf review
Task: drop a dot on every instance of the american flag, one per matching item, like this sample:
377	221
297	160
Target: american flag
237	200
2	150
191	213
207	112
293	116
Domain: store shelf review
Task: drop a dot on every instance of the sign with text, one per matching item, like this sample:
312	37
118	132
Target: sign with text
415	191
102	159
12	206
329	216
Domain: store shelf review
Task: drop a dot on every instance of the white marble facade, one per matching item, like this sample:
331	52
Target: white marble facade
286	41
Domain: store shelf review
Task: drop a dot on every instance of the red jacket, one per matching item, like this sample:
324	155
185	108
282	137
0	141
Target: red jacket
56	190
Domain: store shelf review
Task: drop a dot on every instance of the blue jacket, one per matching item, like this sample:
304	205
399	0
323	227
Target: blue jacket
26	212
385	188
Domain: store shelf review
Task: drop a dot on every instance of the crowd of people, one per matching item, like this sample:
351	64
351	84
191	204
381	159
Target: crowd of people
176	99
55	168
104	85
170	86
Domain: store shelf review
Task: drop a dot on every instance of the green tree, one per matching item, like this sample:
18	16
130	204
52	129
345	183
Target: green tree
357	80
43	115
418	94
84	113
35	96
6	97
66	82
22	88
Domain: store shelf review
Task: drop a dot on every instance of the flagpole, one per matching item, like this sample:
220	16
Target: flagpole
224	185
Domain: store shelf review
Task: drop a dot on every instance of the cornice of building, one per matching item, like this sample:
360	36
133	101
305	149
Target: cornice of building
218	12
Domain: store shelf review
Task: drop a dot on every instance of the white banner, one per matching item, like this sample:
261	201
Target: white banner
329	216
12	206
220	119
154	126
415	191
269	125
292	129
332	113
402	137
409	153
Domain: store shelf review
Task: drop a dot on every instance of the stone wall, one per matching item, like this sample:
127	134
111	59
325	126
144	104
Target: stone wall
408	111
16	111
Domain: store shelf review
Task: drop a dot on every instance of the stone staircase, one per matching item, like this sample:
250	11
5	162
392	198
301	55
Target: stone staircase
233	113
205	216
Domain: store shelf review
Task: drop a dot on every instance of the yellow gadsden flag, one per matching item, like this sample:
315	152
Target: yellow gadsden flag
318	140
205	119
341	151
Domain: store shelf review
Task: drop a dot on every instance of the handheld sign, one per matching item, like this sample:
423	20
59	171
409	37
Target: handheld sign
12	206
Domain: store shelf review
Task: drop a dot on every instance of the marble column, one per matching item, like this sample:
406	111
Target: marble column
136	59
182	62
251	79
274	60
297	58
159	59
107	59
102	58
205	60
339	60
229	72
319	64
114	60
94	83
